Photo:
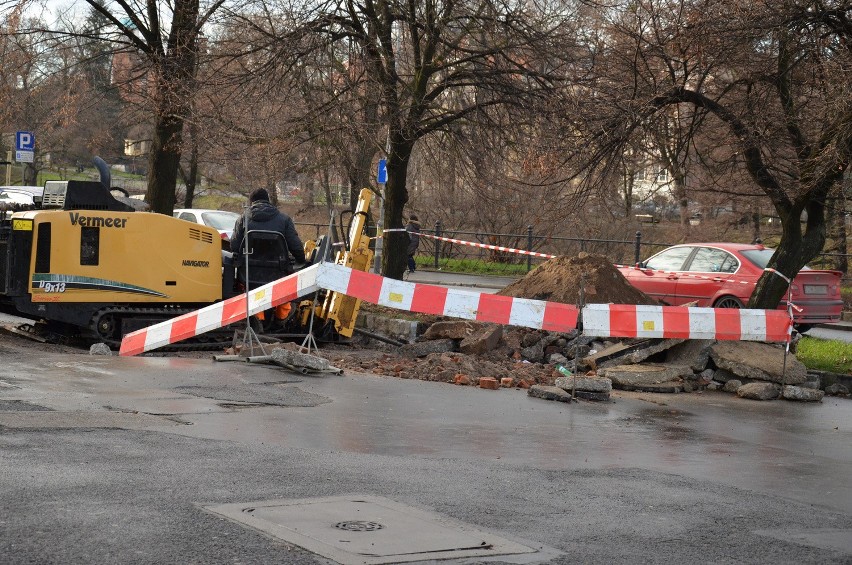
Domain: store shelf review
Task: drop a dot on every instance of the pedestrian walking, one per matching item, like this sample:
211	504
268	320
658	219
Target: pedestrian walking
413	229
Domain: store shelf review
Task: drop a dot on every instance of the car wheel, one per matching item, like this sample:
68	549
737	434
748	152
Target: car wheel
728	302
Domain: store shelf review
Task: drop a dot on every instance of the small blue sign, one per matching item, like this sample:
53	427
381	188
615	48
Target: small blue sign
24	141
382	177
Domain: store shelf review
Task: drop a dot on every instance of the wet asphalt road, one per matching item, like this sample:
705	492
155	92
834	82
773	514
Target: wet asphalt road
108	460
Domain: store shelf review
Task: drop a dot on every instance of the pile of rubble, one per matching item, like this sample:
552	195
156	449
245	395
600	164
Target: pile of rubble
562	366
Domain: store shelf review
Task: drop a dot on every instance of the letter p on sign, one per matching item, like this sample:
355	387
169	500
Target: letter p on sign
24	141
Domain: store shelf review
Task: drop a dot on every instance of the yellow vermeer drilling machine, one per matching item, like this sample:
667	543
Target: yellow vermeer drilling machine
92	265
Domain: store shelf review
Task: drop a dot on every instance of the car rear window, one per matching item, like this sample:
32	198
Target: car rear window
220	220
758	257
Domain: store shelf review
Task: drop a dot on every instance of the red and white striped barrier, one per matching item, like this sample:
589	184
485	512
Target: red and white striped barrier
442	301
221	314
412	297
602	320
624	320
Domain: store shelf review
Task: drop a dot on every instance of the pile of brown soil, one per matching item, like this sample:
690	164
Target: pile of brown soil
560	280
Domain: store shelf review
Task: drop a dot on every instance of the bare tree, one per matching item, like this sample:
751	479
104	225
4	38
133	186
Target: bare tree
771	80
433	63
168	45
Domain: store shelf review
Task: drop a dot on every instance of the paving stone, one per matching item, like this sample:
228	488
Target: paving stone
549	393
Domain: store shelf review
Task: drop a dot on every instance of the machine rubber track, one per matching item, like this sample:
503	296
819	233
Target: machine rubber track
106	322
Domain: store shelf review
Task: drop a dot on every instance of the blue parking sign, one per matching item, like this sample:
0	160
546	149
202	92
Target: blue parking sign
382	175
24	141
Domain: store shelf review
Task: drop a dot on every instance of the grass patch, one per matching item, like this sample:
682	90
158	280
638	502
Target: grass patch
474	266
825	355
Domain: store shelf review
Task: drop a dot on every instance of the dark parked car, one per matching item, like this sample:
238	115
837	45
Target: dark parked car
723	275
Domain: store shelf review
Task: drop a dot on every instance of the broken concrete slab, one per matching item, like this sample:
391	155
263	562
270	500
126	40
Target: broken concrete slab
424	348
671	387
100	349
449	329
484	338
692	352
759	391
837	389
593	396
549	393
802	393
759	361
534	352
655	346
647	374
583	383
610	355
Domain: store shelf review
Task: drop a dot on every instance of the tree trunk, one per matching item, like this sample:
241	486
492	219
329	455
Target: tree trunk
394	258
795	248
359	175
163	164
839	233
191	178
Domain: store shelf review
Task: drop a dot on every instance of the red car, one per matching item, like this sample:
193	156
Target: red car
723	275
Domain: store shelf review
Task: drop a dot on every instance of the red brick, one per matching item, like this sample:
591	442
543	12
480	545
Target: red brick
461	379
507	382
523	384
489	382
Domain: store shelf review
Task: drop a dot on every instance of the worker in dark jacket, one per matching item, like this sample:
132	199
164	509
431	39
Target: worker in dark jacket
413	229
265	216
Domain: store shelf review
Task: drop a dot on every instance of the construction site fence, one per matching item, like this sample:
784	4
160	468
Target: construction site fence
446	255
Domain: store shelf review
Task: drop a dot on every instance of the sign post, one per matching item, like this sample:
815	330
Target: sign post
24	150
381	179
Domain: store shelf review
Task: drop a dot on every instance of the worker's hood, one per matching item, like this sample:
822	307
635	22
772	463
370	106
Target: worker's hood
262	211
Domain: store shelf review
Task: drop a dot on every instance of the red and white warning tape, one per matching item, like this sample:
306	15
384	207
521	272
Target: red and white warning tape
492	247
549	256
604	320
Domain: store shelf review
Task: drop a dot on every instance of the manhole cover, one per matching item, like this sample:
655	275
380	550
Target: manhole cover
358	526
368	530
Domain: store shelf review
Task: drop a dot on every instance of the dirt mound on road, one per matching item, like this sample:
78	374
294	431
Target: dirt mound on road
560	280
